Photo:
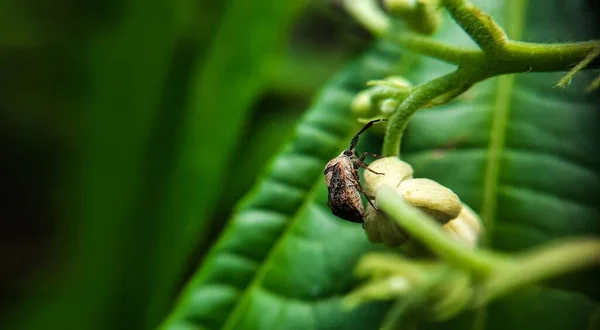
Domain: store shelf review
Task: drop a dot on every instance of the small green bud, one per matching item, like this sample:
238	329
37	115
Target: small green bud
399	82
362	106
389	106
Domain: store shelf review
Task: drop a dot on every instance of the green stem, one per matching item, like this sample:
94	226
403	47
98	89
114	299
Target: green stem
582	65
500	56
480	26
540	264
429	47
368	13
408	311
531	57
421	96
382	92
426	230
376	264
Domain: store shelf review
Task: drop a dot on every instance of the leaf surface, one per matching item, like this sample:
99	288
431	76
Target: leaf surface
283	251
522	154
516	150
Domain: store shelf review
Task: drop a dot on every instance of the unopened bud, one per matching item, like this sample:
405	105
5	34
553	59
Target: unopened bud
362	105
466	227
432	198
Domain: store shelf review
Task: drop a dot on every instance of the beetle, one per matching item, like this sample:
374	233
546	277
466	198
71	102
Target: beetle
343	182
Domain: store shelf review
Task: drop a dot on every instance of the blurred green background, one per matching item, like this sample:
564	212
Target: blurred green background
129	129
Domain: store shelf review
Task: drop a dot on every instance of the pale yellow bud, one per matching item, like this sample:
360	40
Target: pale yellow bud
432	198
394	171
466	227
380	229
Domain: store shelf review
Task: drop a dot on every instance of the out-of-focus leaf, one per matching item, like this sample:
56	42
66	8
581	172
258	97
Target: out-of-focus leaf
283	260
121	64
145	183
234	71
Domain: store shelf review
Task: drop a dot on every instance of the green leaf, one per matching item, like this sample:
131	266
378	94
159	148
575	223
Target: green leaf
155	122
516	150
283	252
119	69
522	154
222	88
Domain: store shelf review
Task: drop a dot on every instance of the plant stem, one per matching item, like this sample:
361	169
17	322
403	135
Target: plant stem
429	47
540	264
478	25
531	57
426	230
582	65
421	96
368	13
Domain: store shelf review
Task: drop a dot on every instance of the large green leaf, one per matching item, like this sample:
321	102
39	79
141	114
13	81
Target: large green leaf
522	154
221	90
514	148
283	252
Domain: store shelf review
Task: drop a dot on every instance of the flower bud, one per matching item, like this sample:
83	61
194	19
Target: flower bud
380	229
466	227
389	106
394	172
399	82
432	198
362	105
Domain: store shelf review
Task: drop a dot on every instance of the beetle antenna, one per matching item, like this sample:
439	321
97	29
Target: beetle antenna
367	126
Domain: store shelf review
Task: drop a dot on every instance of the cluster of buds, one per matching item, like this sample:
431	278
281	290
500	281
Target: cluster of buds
437	201
381	99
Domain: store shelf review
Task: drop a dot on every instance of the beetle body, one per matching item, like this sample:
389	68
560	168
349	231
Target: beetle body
342	182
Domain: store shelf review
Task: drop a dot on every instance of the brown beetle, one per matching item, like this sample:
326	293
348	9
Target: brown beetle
343	183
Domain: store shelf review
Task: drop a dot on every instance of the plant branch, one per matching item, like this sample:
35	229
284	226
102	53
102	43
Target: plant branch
368	13
426	230
532	57
582	65
480	26
518	57
540	264
429	47
420	97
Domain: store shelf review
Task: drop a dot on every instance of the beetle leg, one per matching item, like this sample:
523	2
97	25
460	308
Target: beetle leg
360	188
362	164
365	154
